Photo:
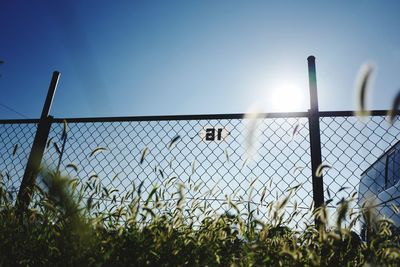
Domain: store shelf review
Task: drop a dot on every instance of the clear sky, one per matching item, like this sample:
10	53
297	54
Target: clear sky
128	58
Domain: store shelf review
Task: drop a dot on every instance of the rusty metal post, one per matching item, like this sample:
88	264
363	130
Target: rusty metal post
315	138
38	147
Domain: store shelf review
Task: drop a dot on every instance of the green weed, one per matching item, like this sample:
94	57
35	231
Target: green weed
67	225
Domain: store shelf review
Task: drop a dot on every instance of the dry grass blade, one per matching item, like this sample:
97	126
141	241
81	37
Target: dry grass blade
234	206
65	128
395	108
297	169
181	195
283	203
193	166
144	154
140	188
149	211
321	214
311	206
362	86
49	142
153	191
263	195
244	162
343	188
320	169
395	208
72	166
170	180
294	188
342	211
296	129
93	176
15	150
226	155
328	191
252	182
57	148
173	141
252	121
97	150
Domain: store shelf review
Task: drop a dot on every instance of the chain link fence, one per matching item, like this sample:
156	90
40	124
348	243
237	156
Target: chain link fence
209	155
357	150
210	169
16	139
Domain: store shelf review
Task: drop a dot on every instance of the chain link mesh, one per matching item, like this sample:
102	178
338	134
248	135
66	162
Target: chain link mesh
357	149
15	145
210	170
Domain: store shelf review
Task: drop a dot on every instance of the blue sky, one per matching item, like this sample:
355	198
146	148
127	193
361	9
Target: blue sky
193	57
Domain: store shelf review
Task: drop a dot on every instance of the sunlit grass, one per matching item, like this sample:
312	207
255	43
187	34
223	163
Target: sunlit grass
66	225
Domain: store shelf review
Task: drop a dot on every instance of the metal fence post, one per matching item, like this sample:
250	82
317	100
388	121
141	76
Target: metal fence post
315	138
38	147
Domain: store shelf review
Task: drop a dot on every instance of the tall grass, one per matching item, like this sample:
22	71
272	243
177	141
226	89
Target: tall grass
66	226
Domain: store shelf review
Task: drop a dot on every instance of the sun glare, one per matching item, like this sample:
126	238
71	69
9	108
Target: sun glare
287	97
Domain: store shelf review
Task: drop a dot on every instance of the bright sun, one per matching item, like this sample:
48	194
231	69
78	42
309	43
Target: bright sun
287	97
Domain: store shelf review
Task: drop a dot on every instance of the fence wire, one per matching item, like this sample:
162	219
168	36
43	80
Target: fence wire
211	170
16	141
357	150
210	157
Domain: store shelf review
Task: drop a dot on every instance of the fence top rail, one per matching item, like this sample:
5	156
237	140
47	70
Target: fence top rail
351	113
19	121
185	117
198	117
